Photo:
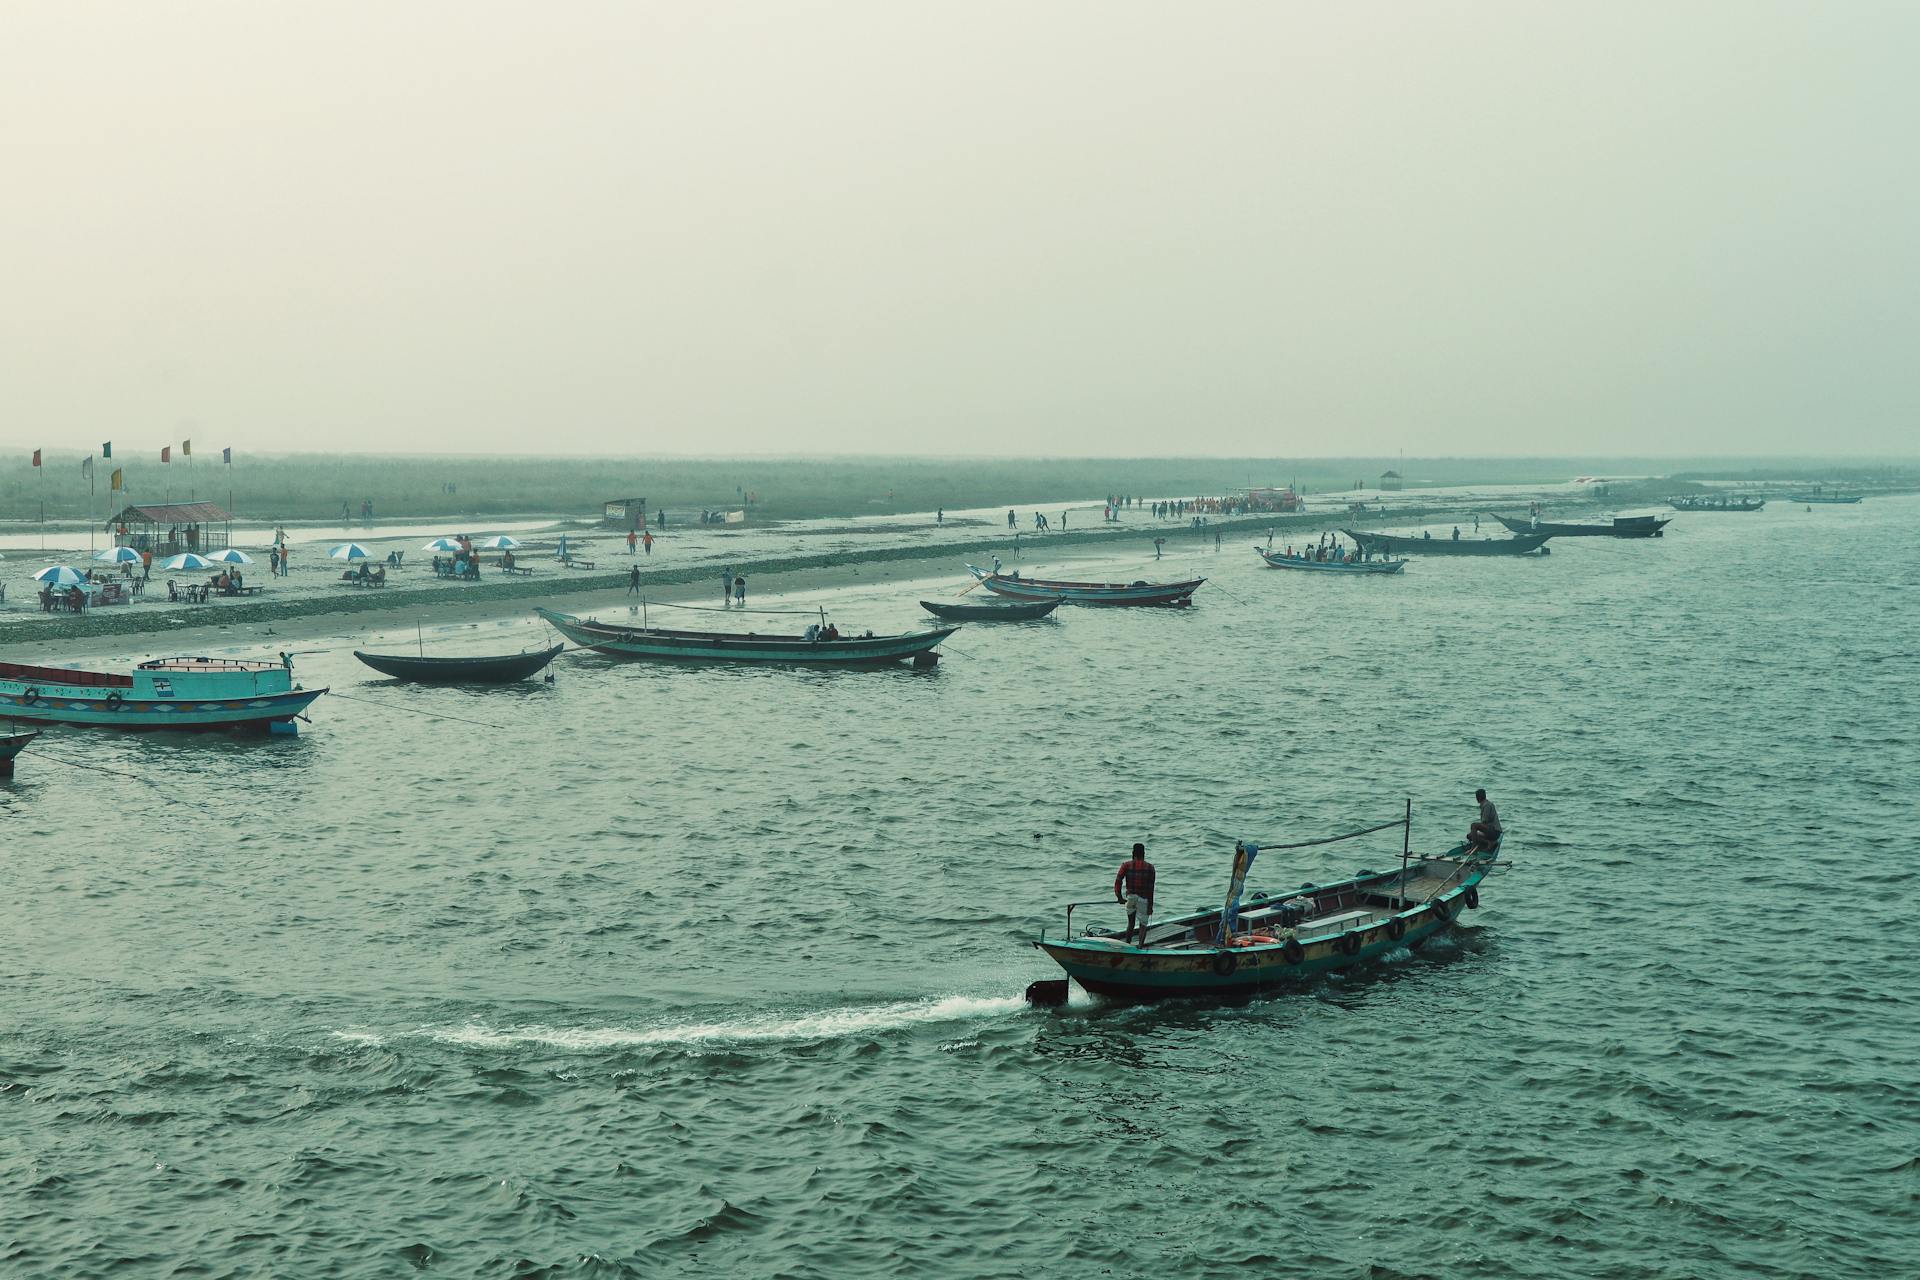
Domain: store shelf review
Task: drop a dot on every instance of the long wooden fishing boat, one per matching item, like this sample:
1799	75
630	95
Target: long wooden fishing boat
12	745
1113	595
991	610
1282	938
168	693
1279	561
1387	544
499	669
1715	502
662	645
1621	527
1829	499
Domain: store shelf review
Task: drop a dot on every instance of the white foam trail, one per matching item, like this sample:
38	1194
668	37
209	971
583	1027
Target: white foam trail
826	1025
361	1037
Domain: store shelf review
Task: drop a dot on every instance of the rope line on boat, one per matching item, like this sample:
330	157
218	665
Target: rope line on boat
1308	844
437	715
38	754
707	608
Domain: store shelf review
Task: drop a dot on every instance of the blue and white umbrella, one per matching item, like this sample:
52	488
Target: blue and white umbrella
498	542
119	555
231	555
350	551
442	544
59	575
187	560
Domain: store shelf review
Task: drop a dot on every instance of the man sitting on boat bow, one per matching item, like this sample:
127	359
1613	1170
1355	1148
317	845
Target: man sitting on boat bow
1484	835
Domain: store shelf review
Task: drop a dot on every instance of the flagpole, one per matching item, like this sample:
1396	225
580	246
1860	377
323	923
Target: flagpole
90	506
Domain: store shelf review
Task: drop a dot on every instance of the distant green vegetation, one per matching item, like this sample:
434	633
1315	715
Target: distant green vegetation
313	486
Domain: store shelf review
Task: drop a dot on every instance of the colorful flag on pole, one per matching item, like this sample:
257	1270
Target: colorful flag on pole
106	450
186	448
36	457
226	455
117	486
166	451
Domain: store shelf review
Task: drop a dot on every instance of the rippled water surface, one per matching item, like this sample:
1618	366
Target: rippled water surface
705	971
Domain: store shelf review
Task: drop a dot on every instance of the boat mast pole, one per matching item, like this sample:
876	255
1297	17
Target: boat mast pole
1406	849
419	637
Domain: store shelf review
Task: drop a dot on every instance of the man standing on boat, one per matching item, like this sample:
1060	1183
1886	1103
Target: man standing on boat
1484	834
1134	886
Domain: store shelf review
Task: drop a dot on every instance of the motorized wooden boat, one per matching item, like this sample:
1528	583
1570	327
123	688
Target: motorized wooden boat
1282	938
478	670
991	610
1280	561
1621	527
1116	595
1829	499
662	645
1715	502
1387	543
12	745
168	693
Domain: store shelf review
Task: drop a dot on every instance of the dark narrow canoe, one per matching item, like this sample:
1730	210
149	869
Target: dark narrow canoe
660	645
486	670
1622	527
1384	543
1112	595
1331	566
1834	499
10	747
991	611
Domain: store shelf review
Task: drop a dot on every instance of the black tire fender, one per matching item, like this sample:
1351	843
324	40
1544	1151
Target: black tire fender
115	700
1471	897
30	698
1293	952
1442	911
1350	944
1225	962
1396	928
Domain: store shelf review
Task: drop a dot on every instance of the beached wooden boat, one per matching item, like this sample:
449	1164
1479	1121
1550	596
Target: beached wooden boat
10	746
661	645
1390	544
1621	527
1280	561
1830	499
991	610
1714	502
1116	595
480	670
168	693
1282	938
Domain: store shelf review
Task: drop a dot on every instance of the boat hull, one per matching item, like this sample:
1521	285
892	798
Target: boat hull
1011	611
652	645
1644	527
1683	504
12	745
1384	543
1816	500
1359	568
92	710
1107	595
422	670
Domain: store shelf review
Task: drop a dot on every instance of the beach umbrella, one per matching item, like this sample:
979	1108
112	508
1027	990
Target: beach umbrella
187	560
350	551
59	575
499	542
231	555
442	544
119	555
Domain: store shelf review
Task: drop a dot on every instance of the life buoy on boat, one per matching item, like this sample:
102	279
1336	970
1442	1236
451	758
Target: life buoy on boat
1225	962
1472	897
1396	928
114	700
31	698
1442	912
1293	951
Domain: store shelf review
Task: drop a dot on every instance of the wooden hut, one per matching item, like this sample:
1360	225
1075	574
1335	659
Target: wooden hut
167	529
626	513
1390	482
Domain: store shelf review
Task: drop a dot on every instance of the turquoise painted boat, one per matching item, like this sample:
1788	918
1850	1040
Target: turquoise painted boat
661	645
1350	568
168	693
1287	938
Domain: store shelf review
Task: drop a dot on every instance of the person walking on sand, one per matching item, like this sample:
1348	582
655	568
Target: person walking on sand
939	515
631	539
646	540
1010	521
740	591
633	581
726	587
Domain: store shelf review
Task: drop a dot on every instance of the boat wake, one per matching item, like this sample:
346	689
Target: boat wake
826	1024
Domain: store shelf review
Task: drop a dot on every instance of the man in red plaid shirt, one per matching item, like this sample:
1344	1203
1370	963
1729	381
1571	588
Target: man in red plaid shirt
1134	886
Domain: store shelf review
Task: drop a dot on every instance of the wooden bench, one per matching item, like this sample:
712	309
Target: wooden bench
514	568
575	562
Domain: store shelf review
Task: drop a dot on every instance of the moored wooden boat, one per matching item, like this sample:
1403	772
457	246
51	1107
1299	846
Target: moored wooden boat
11	745
1715	502
662	645
991	610
1621	527
491	669
168	693
1283	938
1116	595
1276	561
1387	544
1829	499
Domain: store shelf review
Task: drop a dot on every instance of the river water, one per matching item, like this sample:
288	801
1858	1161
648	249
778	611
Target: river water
717	972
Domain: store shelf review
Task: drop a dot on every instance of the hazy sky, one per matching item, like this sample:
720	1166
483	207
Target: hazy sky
977	227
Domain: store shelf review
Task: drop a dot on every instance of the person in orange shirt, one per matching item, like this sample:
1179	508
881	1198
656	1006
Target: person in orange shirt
647	541
631	539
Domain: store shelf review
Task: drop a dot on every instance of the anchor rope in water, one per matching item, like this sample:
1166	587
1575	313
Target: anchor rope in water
1308	844
38	754
437	715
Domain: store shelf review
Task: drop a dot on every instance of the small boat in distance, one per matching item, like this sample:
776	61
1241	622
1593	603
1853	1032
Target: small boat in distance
1277	560
478	670
1622	527
991	610
167	693
1113	595
1715	502
1384	543
1829	499
11	745
661	645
